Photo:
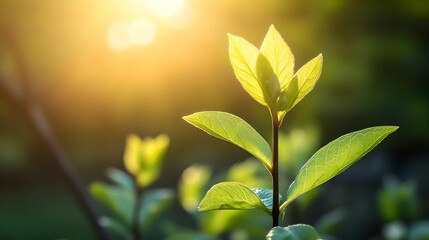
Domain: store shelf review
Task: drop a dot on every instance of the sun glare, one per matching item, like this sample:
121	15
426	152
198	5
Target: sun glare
164	8
118	37
123	35
142	32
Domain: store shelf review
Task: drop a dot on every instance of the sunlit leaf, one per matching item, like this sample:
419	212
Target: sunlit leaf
231	195
153	204
302	83
278	53
244	56
336	157
117	200
267	80
143	158
266	196
235	130
194	179
293	232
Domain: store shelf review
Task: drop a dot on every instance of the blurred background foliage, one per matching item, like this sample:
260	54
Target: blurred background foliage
104	69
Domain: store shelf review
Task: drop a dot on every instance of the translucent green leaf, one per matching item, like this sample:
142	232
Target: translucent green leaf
293	232
143	158
278	53
267	80
302	83
194	179
334	158
235	130
153	204
117	200
231	195
244	56
266	196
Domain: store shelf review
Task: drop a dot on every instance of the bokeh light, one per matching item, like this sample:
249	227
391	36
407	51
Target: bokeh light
165	8
123	35
118	36
104	69
142	32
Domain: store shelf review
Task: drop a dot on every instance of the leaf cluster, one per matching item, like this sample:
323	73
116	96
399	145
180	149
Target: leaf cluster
267	75
129	207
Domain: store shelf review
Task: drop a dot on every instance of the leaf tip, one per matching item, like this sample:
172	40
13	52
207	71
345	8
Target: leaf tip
231	36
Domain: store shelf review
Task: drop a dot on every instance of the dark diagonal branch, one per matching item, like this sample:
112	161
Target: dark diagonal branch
25	104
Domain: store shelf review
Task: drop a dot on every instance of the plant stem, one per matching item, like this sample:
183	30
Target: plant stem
135	224
275	170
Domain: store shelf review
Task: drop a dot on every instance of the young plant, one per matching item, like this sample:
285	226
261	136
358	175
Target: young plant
132	208
267	74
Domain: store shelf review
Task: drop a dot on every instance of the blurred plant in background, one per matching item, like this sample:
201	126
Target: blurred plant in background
132	209
233	224
401	211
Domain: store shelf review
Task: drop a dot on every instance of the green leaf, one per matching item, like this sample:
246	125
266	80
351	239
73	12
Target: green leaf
235	130
190	235
244	56
302	83
334	158
120	231
194	179
267	80
279	55
293	232
121	178
153	204
266	196
143	158
231	195
117	200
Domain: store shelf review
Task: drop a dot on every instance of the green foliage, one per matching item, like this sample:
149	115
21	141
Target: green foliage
118	200
194	179
234	130
398	200
131	210
153	203
118	229
302	83
267	75
143	158
293	232
334	158
266	196
231	195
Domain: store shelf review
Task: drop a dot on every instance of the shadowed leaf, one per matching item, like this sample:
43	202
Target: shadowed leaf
293	232
231	195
